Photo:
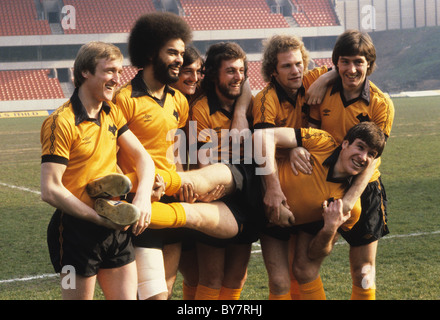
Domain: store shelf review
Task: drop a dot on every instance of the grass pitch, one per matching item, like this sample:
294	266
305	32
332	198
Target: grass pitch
408	263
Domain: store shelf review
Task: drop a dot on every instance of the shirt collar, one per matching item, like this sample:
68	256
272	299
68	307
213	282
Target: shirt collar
283	96
139	88
215	105
331	162
365	93
81	113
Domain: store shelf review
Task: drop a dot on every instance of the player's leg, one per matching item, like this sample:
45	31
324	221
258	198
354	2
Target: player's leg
171	256
82	289
211	262
151	274
306	271
189	269
363	271
214	219
119	283
363	238
275	256
208	178
236	262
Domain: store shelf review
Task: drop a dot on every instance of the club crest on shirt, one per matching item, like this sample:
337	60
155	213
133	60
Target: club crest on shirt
112	129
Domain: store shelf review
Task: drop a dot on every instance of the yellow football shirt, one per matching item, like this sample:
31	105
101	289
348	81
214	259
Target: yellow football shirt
274	108
213	129
336	115
86	146
306	193
154	122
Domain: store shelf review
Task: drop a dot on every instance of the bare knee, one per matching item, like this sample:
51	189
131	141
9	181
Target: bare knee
305	273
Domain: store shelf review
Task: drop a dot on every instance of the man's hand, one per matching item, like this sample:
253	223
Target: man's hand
333	215
159	187
276	207
300	161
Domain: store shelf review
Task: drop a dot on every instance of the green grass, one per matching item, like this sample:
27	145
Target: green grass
407	261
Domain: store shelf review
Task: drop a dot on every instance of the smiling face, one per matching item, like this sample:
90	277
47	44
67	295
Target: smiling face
231	76
353	71
189	76
290	70
103	83
354	158
168	62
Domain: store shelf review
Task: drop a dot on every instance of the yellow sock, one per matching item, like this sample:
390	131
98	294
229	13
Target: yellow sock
206	293
279	296
358	293
189	293
313	290
171	215
294	289
171	178
229	294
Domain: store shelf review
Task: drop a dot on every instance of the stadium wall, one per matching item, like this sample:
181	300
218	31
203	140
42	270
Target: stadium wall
381	15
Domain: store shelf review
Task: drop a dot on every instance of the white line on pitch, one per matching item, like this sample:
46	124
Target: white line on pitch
51	275
416	234
41	276
19	188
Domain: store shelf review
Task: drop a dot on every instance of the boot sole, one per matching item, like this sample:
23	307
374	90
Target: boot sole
121	213
111	185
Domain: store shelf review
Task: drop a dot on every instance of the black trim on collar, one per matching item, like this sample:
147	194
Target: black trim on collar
139	89
365	93
215	105
282	94
80	112
331	162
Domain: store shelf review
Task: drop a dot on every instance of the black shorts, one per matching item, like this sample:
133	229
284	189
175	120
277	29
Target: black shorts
246	204
86	246
372	224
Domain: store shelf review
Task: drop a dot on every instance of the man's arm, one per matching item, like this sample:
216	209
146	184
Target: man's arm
145	171
265	143
55	193
322	244
316	91
240	119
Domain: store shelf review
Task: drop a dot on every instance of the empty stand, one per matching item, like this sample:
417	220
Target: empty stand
107	16
323	62
128	73
29	85
317	13
231	14
20	18
256	81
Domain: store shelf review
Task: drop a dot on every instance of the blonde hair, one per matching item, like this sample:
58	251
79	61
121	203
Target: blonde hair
279	44
88	57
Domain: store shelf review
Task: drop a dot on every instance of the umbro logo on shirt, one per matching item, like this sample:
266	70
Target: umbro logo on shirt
326	112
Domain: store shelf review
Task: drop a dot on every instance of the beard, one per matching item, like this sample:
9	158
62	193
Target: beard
228	93
162	73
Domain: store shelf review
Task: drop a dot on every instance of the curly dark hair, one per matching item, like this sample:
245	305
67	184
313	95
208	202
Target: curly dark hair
151	32
217	53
